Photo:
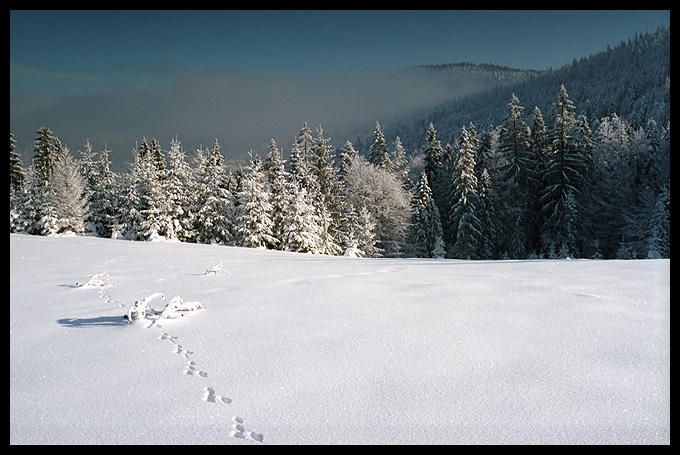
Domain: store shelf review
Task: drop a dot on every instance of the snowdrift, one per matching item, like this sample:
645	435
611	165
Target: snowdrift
303	349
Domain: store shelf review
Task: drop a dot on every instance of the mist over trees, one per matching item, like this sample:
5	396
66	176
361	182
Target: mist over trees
584	176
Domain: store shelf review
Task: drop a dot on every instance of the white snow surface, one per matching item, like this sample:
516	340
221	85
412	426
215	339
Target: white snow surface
304	349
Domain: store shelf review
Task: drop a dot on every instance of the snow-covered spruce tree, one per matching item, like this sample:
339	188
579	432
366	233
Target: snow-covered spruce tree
487	217
136	202
253	219
378	155
514	144
47	152
388	202
176	186
565	174
66	197
301	228
17	177
400	163
300	158
538	157
358	232
328	198
427	234
34	214
211	207
99	184
433	154
347	155
278	180
464	216
16	169
659	243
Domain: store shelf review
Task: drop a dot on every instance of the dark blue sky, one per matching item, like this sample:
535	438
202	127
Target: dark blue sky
73	57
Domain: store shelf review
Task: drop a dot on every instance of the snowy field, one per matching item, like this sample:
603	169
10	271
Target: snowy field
302	349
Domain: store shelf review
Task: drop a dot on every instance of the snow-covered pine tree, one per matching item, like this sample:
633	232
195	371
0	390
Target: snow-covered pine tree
514	144
347	155
300	157
179	225
464	212
328	197
427	233
659	242
212	205
16	169
301	228
565	174
378	155
487	217
278	180
538	157
17	177
399	163
253	220
47	152
66	197
358	232
433	154
89	170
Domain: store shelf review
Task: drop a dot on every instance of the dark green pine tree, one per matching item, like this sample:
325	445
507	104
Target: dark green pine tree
47	153
16	170
563	180
538	157
514	145
379	155
428	236
465	221
433	154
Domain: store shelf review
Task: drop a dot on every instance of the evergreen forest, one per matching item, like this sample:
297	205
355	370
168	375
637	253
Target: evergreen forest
567	163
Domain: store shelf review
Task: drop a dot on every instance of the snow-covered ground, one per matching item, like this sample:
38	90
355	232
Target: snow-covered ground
303	349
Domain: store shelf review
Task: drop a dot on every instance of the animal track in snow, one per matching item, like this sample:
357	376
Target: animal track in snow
165	336
180	350
211	397
190	370
239	431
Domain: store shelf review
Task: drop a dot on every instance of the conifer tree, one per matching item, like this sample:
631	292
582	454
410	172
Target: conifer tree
46	155
359	233
379	156
328	197
301	228
213	203
67	201
433	154
16	170
347	156
514	144
399	162
427	234
253	220
300	158
563	179
17	177
278	180
465	220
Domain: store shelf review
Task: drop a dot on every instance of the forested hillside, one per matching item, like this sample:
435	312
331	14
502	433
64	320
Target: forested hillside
568	163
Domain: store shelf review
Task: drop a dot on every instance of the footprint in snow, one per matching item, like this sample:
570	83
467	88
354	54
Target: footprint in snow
180	350
165	336
191	370
239	431
211	397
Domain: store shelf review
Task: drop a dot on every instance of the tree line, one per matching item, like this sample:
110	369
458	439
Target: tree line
530	187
